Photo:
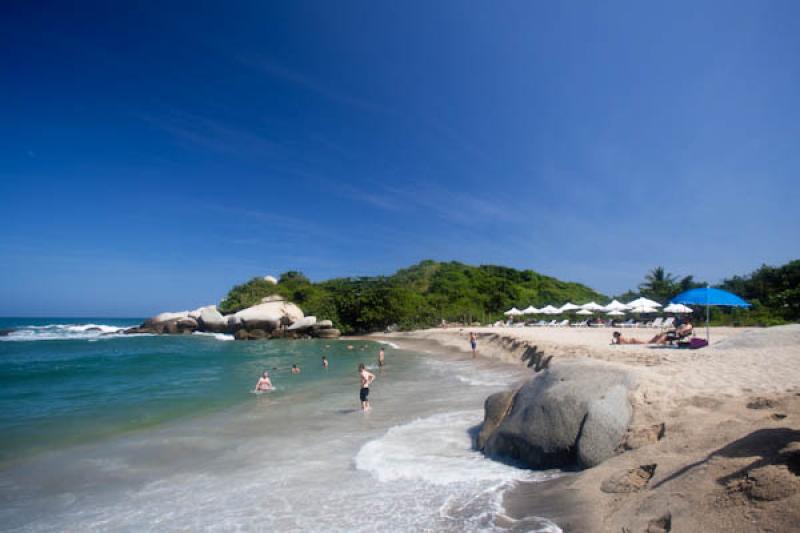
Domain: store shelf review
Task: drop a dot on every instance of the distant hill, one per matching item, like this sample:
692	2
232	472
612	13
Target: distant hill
418	296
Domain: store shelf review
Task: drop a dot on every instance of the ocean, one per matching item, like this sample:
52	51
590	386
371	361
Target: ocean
103	431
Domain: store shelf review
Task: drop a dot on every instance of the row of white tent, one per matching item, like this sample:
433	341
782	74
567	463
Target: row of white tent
615	308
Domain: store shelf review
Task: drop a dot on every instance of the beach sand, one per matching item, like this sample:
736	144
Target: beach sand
729	459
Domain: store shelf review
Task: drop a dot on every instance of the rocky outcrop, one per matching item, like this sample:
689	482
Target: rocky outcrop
270	314
305	323
211	320
573	414
274	317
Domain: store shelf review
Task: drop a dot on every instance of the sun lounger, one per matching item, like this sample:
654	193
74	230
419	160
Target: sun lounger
564	323
580	324
667	322
630	323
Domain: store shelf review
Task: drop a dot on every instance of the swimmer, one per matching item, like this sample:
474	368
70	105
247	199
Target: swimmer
264	383
366	380
324	362
295	369
381	358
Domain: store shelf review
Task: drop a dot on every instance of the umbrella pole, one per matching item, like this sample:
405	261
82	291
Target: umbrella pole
708	317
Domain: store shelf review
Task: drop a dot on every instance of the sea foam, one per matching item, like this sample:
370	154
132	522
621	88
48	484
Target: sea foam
62	332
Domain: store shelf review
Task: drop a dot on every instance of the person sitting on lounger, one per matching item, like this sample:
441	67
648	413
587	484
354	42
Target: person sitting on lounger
681	332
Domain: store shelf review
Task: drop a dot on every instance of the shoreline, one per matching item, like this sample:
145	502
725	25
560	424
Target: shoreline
732	416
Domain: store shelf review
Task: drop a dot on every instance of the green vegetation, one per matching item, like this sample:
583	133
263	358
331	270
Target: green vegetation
426	293
773	291
418	296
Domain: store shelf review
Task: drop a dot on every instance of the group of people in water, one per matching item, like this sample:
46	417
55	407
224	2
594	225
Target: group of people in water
366	378
682	331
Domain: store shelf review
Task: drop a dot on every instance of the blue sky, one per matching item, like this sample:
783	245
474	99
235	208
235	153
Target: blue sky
151	156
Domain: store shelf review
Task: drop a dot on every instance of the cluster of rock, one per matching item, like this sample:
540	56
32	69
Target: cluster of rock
575	414
274	317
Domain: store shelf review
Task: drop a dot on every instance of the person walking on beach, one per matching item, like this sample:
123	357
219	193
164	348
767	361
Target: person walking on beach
366	380
381	358
264	383
473	341
325	362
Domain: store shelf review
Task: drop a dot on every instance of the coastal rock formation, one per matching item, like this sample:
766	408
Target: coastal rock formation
304	323
274	317
496	408
269	314
211	320
576	413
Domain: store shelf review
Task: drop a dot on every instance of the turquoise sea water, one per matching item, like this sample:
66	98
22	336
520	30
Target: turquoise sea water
107	432
60	386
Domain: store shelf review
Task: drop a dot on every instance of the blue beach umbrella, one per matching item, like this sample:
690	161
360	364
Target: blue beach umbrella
709	296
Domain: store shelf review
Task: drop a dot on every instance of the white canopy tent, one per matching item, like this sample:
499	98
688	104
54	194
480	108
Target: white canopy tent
642	309
616	305
615	312
592	306
568	307
643	302
513	312
530	310
584	312
549	310
678	309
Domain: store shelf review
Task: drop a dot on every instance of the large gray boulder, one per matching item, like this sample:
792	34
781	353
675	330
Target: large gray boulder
574	413
329	333
162	319
268	315
306	322
211	320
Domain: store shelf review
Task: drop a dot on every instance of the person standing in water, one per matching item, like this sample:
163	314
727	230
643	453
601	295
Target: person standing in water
295	369
264	383
366	380
381	358
325	362
473	341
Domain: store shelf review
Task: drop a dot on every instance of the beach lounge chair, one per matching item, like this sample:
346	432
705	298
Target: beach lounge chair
655	323
630	323
667	322
564	323
551	324
580	324
600	325
679	338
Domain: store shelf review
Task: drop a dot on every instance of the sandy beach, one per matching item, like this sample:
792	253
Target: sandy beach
728	459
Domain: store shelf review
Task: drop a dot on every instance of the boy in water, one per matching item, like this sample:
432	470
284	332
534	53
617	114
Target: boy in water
381	358
264	383
325	362
473	341
366	379
295	369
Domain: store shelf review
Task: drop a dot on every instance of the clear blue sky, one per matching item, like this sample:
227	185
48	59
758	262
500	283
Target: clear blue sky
153	154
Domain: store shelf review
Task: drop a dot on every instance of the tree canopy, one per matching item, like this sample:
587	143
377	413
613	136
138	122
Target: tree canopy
419	296
426	293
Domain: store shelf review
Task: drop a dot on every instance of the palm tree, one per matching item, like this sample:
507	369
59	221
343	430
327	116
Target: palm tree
658	284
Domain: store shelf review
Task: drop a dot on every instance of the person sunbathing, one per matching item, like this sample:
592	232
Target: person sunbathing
681	332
